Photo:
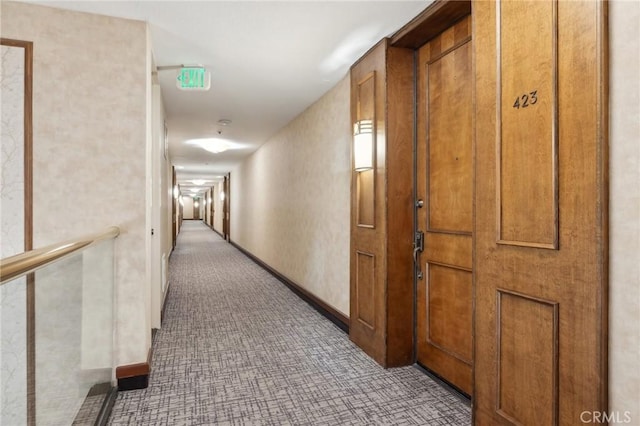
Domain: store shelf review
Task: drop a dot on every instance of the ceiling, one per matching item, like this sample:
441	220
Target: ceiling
269	61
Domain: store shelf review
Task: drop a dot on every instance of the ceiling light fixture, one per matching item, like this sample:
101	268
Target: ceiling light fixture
213	145
198	182
224	122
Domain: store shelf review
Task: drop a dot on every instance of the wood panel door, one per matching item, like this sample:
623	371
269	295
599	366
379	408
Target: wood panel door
445	184
226	186
540	236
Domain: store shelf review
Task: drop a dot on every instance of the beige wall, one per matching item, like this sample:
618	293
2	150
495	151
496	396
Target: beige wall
624	279
90	85
187	208
290	199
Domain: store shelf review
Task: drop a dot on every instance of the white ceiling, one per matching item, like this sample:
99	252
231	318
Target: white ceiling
269	61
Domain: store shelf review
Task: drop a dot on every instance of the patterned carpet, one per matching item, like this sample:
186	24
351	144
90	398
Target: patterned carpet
237	347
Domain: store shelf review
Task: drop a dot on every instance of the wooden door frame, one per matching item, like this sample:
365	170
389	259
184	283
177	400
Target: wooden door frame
226	219
429	24
442	14
174	210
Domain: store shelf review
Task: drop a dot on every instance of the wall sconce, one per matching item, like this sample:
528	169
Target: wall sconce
363	145
222	196
176	192
196	204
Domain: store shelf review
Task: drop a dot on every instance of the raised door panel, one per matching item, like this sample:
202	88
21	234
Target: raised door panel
540	235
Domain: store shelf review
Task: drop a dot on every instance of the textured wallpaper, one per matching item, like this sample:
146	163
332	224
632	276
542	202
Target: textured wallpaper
290	199
624	210
13	339
90	89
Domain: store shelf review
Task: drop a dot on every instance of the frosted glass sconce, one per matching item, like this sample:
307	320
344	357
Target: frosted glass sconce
363	145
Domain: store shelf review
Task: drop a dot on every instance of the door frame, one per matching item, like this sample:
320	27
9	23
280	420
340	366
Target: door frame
429	24
436	18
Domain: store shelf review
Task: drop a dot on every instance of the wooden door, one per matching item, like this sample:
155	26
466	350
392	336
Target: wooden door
174	210
540	236
211	206
196	209
226	185
445	184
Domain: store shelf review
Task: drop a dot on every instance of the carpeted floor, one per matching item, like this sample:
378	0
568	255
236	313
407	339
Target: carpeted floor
237	347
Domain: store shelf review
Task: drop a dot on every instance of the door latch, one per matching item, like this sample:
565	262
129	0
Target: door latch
419	241
418	247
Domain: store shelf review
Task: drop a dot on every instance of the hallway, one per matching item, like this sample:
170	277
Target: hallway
238	347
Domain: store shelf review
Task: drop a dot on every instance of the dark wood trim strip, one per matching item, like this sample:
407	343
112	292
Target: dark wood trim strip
332	314
218	232
134	376
603	200
214	229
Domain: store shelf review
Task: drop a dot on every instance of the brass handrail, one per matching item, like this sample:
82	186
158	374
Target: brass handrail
21	264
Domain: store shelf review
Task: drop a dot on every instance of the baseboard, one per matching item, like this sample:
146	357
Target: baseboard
332	314
134	376
214	230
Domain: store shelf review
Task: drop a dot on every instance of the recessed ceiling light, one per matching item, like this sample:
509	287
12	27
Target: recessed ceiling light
224	122
198	182
213	145
179	167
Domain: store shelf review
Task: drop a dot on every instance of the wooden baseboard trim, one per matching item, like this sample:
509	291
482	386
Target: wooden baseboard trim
214	229
134	376
332	314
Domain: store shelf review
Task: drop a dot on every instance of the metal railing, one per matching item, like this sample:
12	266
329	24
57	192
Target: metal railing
21	264
57	331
